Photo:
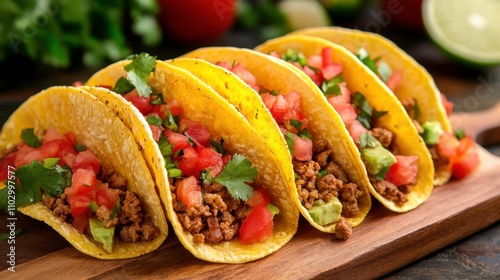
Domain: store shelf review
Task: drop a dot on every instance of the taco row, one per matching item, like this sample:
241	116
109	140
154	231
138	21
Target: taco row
229	145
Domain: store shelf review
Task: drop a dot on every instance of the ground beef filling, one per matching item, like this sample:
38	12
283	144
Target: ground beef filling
217	220
383	187
132	223
311	187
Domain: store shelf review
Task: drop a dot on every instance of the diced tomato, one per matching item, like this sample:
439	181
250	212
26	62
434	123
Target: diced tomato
199	134
404	171
156	131
394	80
260	197
226	159
66	159
315	61
467	159
268	100
447	145
302	148
224	64
178	141
82	183
106	198
174	107
86	160
242	72
186	123
275	54
189	162
29	158
159	110
258	226
189	192
141	103
356	130
331	71
56	148
279	108
5	164
448	105
53	134
78	204
211	160
346	93
345	110
70	137
326	55
81	222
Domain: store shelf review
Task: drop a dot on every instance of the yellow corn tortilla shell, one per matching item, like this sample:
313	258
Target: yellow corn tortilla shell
406	138
74	110
417	82
200	103
274	74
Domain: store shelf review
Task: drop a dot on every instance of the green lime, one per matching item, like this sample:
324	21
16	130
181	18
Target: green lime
467	30
304	13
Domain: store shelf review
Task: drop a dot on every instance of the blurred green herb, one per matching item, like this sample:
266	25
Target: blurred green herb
262	17
53	32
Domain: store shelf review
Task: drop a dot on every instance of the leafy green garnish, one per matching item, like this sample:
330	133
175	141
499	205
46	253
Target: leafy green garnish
369	62
28	136
50	162
384	70
459	133
158	100
365	110
123	86
237	172
367	140
138	72
217	146
416	110
154	120
379	114
80	147
305	134
290	142
322	173
331	87
170	121
35	177
382	173
295	123
294	56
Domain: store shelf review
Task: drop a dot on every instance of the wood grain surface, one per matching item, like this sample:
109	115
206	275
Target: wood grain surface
384	242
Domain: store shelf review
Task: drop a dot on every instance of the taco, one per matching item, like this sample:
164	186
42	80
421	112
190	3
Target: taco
396	159
331	183
227	195
78	169
453	154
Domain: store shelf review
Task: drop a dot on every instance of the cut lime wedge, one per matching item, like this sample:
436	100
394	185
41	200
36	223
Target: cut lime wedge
467	30
304	13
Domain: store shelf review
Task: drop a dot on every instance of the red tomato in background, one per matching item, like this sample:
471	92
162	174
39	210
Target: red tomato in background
196	21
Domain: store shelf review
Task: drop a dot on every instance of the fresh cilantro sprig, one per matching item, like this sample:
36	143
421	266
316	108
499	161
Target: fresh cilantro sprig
138	72
294	56
367	140
365	110
380	68
28	136
237	172
35	177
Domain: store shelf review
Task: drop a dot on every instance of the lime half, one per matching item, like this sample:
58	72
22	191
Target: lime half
304	13
467	30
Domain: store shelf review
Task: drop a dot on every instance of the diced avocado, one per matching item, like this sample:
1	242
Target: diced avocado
273	209
326	213
377	158
432	131
103	235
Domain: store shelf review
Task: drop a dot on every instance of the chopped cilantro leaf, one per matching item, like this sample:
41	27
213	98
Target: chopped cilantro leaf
237	172
459	133
123	86
170	121
369	62
34	176
290	141
384	70
217	146
322	173
331	87
416	110
80	147
138	72
365	110
382	173
50	162
154	120
378	114
295	56
158	100
305	134
367	140
165	146
28	136
295	123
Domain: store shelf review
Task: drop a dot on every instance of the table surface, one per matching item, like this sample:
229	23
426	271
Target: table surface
475	257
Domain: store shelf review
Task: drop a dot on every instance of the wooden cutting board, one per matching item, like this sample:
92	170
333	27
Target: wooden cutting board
384	242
